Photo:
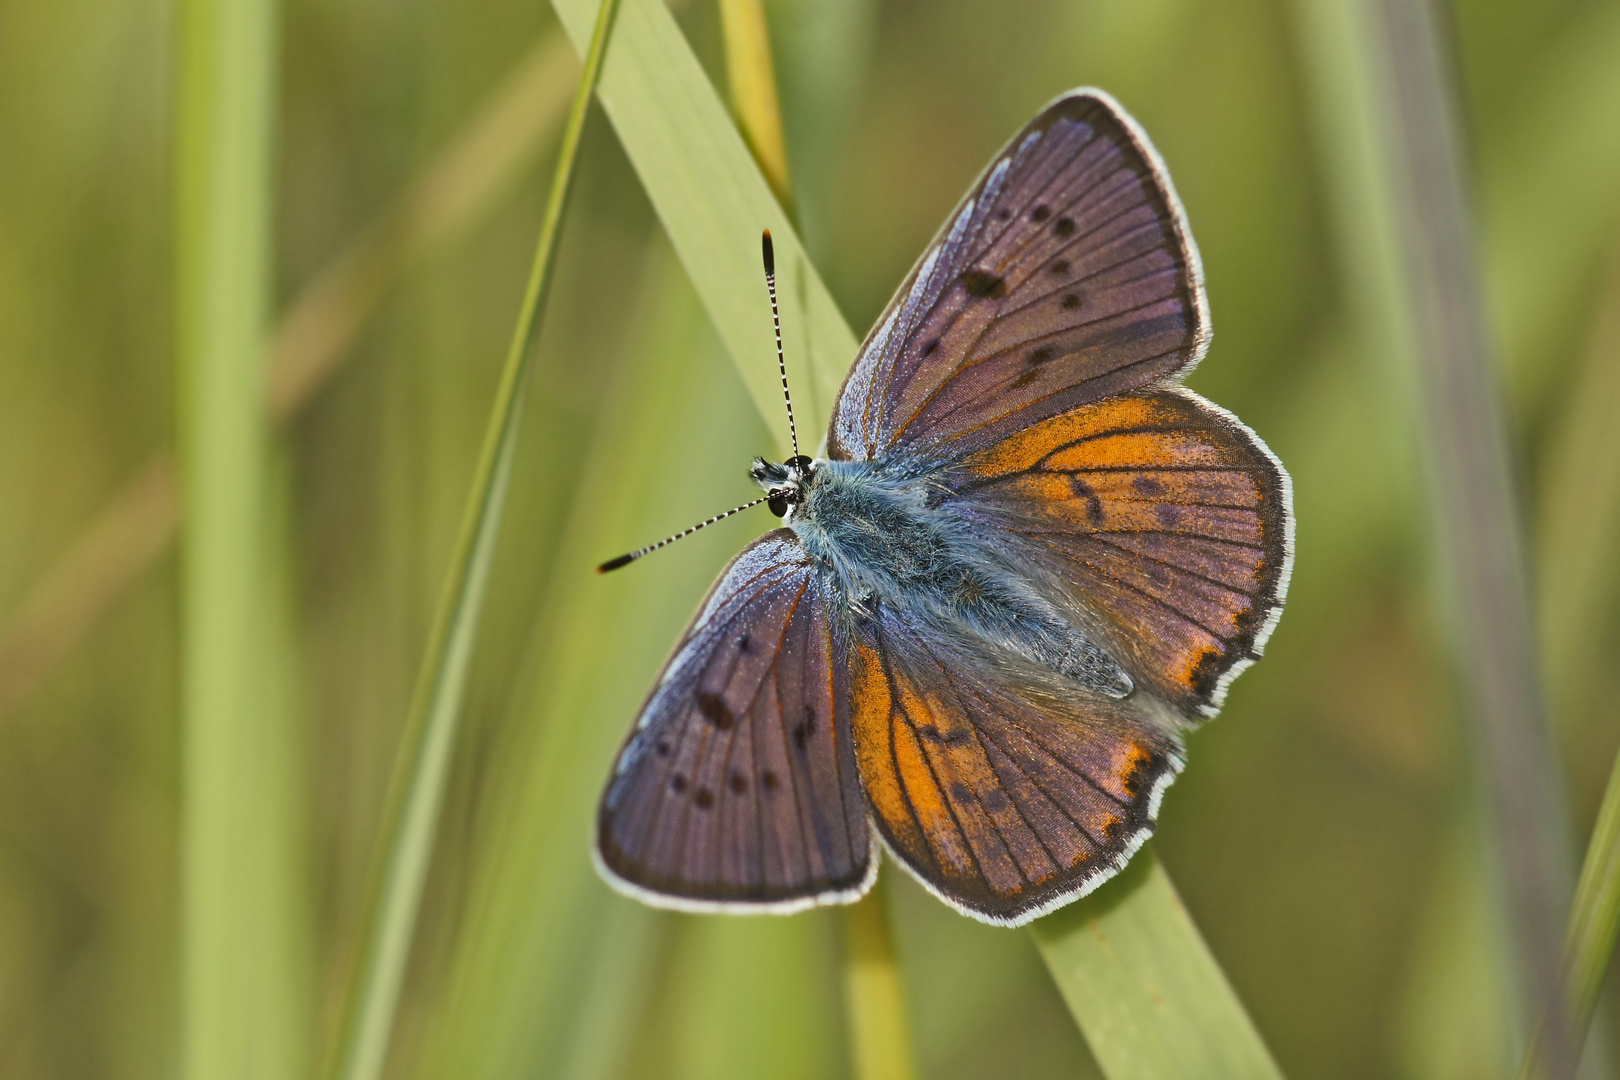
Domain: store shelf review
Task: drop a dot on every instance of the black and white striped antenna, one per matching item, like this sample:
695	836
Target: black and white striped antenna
626	560
769	252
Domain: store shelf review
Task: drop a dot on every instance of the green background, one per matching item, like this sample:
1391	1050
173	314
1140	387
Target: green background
1327	836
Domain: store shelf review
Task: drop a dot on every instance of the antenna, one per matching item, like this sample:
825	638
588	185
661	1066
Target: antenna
626	560
769	251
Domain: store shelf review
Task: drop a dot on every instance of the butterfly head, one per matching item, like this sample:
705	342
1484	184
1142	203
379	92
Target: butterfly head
784	482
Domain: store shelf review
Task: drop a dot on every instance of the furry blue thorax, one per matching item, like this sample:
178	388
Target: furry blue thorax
886	545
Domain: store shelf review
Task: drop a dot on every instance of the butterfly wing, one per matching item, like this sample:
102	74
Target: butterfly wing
737	789
1067	275
1165	523
1005	798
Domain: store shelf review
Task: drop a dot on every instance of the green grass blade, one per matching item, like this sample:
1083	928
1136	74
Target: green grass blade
1150	998
874	993
1594	922
1595	919
1475	520
752	77
245	1006
713	200
409	822
1360	114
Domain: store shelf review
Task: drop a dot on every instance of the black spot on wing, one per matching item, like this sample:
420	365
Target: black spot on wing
714	710
982	283
1146	485
1083	490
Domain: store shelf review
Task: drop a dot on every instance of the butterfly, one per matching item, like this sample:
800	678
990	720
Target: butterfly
1029	562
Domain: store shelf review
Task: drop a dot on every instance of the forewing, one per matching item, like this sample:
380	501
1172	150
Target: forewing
1066	275
1006	802
1167	523
738	788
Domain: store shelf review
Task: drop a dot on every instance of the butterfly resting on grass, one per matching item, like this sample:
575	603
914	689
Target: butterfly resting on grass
1028	563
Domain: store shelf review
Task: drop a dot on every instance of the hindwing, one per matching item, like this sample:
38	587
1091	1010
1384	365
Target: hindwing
1167	522
737	788
1005	799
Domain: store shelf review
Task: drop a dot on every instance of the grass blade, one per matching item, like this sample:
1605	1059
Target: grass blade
1150	998
874	995
1594	921
753	91
410	820
1476	521
245	1007
713	200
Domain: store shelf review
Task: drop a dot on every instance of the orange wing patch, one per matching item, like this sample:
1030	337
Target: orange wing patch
1024	449
998	806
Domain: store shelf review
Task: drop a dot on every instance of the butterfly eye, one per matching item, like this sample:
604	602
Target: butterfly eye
778	505
800	463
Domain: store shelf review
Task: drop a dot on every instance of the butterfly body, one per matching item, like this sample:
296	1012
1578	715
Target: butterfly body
1028	562
892	537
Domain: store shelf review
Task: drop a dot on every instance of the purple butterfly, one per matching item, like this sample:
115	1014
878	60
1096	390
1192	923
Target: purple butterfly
1029	562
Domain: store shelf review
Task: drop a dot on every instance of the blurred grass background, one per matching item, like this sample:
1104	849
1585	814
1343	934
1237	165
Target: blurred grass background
1327	836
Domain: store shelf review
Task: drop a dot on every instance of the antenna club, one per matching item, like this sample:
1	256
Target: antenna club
769	252
614	564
